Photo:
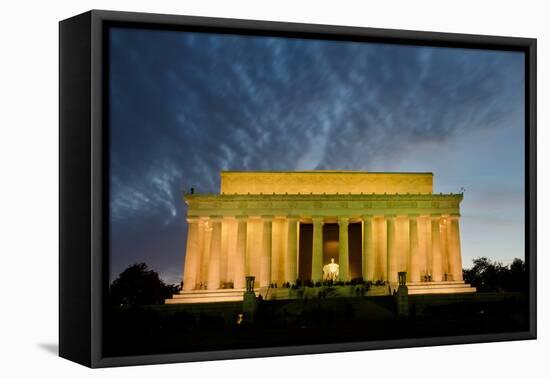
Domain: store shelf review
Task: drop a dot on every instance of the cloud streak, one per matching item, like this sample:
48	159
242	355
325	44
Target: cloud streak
186	105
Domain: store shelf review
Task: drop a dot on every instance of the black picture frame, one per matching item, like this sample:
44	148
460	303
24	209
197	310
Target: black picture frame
83	165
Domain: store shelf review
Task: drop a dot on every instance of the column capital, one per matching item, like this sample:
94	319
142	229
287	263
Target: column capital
192	219
267	218
367	217
413	216
343	220
241	218
454	217
435	216
293	218
216	218
390	216
318	220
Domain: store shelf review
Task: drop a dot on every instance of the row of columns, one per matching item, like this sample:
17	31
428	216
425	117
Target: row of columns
438	256
387	252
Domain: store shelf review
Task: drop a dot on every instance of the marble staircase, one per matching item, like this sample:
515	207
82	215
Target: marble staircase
444	287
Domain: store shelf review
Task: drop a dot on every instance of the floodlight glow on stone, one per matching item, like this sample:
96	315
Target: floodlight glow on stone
260	235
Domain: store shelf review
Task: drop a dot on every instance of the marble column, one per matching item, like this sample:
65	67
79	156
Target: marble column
444	246
437	273
368	249
381	248
317	250
224	252
205	234
343	249
414	250
239	281
265	268
215	254
455	257
392	253
402	236
424	243
191	254
291	271
279	230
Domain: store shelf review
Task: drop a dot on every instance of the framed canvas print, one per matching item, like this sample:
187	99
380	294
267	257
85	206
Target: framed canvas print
234	188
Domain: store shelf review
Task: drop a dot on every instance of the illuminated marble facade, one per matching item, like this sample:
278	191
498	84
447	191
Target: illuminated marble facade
253	228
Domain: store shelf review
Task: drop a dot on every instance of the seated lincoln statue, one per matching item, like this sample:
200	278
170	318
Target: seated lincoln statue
331	271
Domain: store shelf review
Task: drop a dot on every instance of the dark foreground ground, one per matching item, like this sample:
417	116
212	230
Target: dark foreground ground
203	327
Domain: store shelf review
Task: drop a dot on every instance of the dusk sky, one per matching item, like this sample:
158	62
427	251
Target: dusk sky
184	106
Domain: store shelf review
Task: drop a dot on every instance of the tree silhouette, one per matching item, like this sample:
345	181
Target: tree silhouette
518	278
137	285
487	275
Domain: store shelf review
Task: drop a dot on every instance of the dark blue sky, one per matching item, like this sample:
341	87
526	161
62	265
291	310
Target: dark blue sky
186	105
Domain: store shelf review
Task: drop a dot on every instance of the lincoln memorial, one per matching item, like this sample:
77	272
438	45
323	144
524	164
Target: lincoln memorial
285	228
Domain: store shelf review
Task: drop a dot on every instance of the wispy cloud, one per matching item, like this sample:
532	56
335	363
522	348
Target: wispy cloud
186	105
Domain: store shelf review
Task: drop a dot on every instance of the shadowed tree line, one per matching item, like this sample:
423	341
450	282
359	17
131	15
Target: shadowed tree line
492	276
138	285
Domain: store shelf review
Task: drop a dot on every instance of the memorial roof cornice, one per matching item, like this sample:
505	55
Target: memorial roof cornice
321	197
332	171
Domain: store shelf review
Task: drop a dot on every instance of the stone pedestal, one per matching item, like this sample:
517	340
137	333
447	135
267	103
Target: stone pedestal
250	302
402	300
402	295
250	306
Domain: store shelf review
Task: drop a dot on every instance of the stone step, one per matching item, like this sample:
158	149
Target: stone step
211	292
436	286
235	295
445	290
205	298
411	284
445	287
208	296
217	292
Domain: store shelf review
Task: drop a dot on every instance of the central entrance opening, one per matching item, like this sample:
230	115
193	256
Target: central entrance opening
331	235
